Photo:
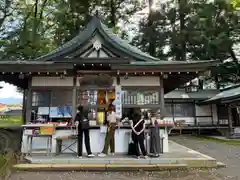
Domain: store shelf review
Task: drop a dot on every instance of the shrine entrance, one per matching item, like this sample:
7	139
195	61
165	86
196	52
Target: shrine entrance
236	118
96	94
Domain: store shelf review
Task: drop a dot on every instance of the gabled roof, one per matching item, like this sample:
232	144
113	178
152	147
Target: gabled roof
199	95
113	41
228	94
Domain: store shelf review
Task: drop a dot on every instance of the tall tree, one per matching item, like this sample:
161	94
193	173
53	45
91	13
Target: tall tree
29	38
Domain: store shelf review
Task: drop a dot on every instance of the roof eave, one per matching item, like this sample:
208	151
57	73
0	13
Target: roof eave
208	102
166	67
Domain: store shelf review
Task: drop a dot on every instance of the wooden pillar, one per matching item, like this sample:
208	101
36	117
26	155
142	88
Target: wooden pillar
162	103
230	119
211	106
24	106
118	80
74	97
195	114
29	101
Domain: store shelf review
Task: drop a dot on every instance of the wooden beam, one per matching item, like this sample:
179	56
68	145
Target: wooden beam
230	119
29	101
162	104
74	98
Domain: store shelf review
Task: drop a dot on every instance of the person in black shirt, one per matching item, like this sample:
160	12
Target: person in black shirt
138	126
82	124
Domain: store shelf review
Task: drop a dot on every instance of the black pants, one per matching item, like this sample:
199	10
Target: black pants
139	140
87	141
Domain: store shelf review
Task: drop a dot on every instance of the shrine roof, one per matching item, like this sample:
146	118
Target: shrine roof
112	40
227	95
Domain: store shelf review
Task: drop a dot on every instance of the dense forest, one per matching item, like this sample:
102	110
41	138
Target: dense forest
176	30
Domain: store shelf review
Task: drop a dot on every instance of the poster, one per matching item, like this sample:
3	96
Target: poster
60	112
43	110
118	101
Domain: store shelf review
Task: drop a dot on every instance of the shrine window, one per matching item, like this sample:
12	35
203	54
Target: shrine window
140	98
41	98
183	109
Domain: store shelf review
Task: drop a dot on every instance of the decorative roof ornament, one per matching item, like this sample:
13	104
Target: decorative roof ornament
97	44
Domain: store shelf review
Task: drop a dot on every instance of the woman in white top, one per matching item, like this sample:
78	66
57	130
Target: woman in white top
110	136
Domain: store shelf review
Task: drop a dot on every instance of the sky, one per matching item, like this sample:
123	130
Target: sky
9	91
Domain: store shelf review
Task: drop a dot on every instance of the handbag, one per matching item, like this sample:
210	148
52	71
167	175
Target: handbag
85	123
131	147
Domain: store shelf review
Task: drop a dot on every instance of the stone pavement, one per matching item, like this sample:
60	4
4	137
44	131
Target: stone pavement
173	175
225	153
177	157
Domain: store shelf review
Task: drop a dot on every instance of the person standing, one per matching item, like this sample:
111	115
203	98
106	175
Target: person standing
138	127
154	137
82	124
110	136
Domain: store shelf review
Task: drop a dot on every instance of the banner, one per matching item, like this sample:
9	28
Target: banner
118	101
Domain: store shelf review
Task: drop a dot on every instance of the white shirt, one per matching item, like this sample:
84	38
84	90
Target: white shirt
112	117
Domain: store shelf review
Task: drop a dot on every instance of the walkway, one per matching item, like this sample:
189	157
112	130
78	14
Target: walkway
226	153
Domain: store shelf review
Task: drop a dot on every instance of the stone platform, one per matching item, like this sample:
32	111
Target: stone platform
177	157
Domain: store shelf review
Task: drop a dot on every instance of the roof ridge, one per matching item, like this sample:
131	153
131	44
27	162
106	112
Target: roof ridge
96	23
231	87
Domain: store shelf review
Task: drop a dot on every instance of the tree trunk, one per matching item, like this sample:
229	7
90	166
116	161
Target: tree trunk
152	42
113	22
182	46
217	82
200	83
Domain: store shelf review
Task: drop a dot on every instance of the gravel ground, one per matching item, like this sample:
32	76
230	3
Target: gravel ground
224	153
228	154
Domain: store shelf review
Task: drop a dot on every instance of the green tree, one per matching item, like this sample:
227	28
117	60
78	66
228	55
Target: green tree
29	38
236	3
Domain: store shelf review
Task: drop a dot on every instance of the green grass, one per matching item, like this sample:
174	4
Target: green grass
6	163
3	160
3	165
222	141
8	121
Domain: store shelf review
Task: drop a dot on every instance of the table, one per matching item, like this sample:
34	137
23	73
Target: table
60	145
30	143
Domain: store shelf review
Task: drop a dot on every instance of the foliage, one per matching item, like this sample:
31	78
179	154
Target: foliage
194	30
176	30
44	25
236	3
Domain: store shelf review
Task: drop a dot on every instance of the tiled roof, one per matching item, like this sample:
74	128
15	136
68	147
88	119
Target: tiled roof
225	94
96	25
199	95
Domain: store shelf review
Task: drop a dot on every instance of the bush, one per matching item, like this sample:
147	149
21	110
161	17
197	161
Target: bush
3	161
3	166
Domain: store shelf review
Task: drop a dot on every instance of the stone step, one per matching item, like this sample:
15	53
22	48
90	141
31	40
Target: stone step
191	162
101	161
99	167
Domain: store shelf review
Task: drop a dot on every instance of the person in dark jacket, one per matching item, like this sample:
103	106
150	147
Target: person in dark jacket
82	124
